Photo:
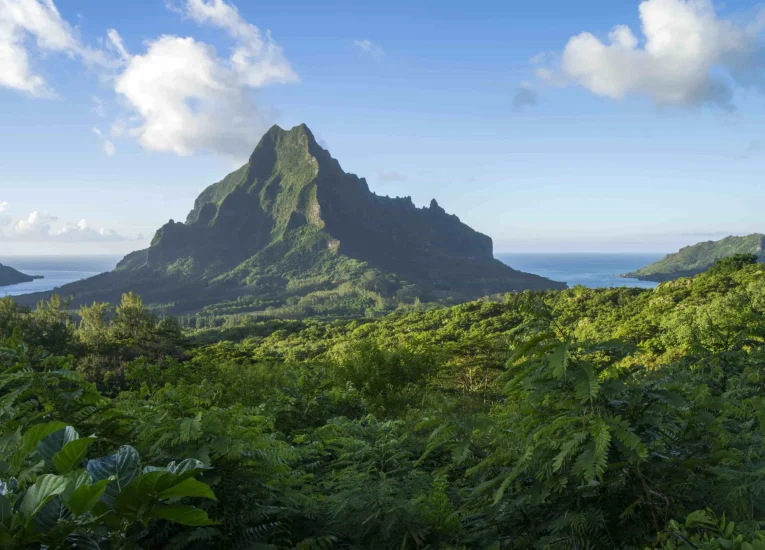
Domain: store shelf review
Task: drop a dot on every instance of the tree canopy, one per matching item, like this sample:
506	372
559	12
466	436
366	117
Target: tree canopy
609	418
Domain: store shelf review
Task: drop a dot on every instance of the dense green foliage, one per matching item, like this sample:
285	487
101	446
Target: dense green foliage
691	260
290	234
610	418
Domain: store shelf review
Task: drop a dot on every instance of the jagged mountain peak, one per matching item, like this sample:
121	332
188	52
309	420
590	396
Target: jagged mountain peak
290	215
301	129
282	161
292	188
280	141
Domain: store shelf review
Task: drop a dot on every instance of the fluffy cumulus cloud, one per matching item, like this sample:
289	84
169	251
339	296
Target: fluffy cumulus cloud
687	56
81	232
187	98
525	96
37	226
367	47
38	21
256	59
42	227
178	95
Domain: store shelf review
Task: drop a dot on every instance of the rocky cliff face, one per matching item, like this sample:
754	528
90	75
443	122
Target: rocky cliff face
290	215
292	184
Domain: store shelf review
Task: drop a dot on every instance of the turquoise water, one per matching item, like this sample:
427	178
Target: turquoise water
590	270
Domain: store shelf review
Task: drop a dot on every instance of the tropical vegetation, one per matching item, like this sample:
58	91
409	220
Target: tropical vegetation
695	259
573	419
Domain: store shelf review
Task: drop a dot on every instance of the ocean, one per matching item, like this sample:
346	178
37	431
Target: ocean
590	270
56	270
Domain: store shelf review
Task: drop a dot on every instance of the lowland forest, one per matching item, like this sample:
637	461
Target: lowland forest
561	419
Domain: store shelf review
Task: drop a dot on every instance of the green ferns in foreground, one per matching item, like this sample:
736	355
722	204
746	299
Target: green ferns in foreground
51	495
613	418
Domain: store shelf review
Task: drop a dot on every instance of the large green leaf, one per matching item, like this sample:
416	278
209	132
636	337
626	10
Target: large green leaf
122	467
72	454
34	434
188	488
8	441
38	495
700	518
185	515
85	497
186	468
141	493
50	514
54	442
77	479
146	490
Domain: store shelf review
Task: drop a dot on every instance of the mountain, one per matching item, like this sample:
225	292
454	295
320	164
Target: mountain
9	276
695	259
290	230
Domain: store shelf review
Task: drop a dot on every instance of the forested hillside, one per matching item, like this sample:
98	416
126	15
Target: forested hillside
695	259
610	418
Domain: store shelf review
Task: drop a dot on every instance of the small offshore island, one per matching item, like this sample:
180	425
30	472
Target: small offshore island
10	276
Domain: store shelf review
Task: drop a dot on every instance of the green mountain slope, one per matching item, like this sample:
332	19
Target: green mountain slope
10	276
291	232
695	259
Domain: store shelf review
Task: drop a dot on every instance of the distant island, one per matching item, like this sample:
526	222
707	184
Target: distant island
291	234
695	259
10	276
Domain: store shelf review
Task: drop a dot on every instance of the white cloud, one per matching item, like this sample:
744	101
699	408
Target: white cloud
256	59
525	96
38	19
116	44
81	232
39	227
108	145
367	47
109	148
118	128
689	56
188	99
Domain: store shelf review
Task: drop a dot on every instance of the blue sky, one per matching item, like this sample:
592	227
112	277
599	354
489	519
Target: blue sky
545	139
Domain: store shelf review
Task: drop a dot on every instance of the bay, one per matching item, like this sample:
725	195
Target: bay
590	270
56	271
